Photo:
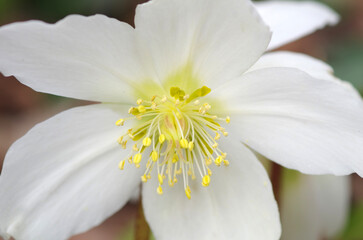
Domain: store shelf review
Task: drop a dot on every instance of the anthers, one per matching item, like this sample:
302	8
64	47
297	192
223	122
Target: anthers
174	136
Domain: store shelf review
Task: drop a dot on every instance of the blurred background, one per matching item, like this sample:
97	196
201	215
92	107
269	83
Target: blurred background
21	108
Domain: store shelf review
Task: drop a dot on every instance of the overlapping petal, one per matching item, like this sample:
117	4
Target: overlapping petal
314	126
93	58
238	204
314	67
62	177
314	207
217	39
291	20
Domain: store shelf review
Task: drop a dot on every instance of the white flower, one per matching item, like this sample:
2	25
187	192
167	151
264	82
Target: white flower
62	177
314	207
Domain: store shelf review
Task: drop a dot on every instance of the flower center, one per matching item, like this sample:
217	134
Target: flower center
174	136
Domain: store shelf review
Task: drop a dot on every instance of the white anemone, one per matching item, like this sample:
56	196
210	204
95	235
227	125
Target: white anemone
192	66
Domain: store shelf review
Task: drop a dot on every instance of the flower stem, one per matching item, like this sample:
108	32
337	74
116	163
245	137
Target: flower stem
276	180
142	229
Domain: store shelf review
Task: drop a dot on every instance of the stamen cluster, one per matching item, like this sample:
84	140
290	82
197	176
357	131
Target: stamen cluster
174	134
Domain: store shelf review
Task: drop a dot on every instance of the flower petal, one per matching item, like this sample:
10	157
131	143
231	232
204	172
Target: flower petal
290	21
92	58
314	207
238	204
218	39
62	177
302	123
314	67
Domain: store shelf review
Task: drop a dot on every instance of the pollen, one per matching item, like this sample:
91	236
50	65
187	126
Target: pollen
122	165
161	179
206	181
191	146
137	158
228	119
161	138
175	136
144	178
154	156
120	122
146	142
188	192
159	190
184	143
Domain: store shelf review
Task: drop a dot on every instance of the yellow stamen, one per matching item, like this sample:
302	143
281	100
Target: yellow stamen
184	143
141	108
161	179
135	148
178	129
153	106
137	158
154	156
139	101
146	141
175	158
206	181
123	144
171	183
228	119
161	138
191	146
218	161
159	190
121	165
188	192
208	161
120	122
144	178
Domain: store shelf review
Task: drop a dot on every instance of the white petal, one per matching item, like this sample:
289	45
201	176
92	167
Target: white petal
92	58
303	123
314	207
218	39
62	177
314	67
238	204
290	21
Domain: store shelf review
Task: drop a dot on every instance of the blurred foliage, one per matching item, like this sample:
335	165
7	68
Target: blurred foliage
354	230
57	9
128	234
54	10
347	60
